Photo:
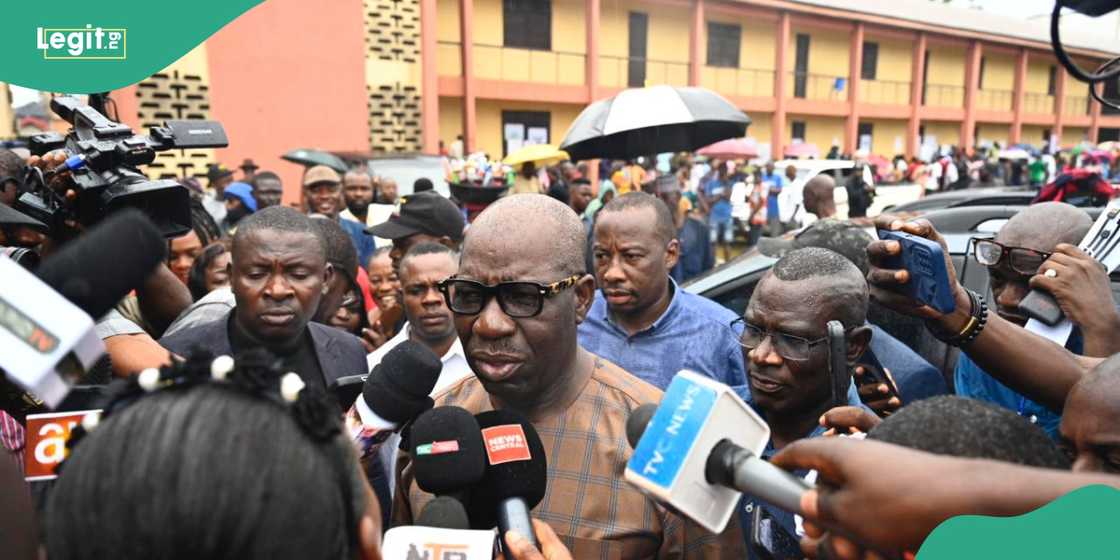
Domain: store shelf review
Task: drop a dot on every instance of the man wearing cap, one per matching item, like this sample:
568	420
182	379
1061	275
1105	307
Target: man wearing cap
239	203
322	193
640	319
248	169
913	376
425	217
219	177
696	254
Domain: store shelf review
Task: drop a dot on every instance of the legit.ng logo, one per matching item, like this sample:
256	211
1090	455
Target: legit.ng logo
88	43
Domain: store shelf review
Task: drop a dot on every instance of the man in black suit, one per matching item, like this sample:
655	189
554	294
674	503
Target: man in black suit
278	277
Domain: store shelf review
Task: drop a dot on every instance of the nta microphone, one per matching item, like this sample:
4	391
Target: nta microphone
701	448
516	474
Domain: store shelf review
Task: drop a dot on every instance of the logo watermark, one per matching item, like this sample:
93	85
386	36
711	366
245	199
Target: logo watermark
88	43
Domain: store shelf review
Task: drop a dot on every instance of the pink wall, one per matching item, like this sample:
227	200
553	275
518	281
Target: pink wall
290	74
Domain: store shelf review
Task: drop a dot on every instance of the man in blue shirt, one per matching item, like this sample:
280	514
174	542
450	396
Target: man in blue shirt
717	198
640	319
322	193
1016	254
692	236
773	183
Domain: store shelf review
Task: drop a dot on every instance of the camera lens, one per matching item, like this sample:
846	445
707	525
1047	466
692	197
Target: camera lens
26	258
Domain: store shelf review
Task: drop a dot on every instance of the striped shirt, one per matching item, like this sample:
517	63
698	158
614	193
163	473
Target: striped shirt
12	437
594	511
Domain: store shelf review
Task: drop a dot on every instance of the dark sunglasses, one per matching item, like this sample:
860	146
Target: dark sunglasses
1022	260
517	299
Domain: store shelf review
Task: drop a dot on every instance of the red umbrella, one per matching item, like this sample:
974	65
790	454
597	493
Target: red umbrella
801	150
732	148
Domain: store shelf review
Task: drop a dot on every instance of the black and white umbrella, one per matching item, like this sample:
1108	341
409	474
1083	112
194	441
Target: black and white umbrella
653	120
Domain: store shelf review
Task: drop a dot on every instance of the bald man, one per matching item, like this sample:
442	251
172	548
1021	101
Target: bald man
818	197
1017	254
524	353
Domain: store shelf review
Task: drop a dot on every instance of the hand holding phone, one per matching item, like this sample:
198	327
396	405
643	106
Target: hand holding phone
925	262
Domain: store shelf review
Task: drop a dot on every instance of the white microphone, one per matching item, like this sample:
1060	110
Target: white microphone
420	543
701	449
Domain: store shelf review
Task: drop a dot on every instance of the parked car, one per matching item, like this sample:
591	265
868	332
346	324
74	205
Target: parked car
732	284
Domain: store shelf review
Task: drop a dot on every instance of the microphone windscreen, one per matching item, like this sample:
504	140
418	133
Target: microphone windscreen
447	450
516	466
637	422
398	387
99	268
444	512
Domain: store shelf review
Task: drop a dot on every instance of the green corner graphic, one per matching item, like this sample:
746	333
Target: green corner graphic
1077	525
146	38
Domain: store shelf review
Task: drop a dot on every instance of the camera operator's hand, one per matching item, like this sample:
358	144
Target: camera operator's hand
877	396
885	284
1083	291
848	420
63	184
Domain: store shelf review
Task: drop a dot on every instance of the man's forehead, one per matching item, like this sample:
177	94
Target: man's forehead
271	240
1025	233
792	302
492	261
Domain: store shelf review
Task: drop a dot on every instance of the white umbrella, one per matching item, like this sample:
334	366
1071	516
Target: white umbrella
1014	153
653	120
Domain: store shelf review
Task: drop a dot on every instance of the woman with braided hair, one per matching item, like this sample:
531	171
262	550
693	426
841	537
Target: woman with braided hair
213	459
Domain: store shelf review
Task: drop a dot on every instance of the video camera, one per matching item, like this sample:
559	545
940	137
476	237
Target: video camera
103	157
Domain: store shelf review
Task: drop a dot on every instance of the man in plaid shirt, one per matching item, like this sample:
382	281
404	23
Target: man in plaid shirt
521	292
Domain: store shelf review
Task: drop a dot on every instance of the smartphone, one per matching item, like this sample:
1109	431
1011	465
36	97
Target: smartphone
925	261
346	389
1039	304
838	363
875	372
769	539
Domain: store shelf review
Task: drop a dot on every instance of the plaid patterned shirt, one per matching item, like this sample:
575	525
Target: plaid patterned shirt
594	511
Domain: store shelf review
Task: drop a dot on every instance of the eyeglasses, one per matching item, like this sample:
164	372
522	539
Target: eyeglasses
517	299
1022	260
788	346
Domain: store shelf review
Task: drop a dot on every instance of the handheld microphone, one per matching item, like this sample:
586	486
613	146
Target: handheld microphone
397	389
416	542
447	451
516	474
701	449
444	512
46	319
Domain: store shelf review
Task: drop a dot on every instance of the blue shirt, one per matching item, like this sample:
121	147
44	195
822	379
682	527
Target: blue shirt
916	378
721	208
363	242
776	183
696	253
693	333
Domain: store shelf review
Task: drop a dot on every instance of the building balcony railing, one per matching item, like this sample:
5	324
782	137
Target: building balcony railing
624	71
994	99
817	87
884	92
1038	103
744	82
1076	105
939	95
494	62
449	58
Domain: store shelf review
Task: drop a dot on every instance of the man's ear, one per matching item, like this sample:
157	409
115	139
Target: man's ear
328	275
858	340
672	254
585	295
449	243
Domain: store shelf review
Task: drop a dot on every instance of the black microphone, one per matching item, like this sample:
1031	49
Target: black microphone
516	475
637	422
444	512
99	268
447	452
396	390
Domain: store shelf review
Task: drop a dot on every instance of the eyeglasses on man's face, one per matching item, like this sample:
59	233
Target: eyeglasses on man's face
516	299
1020	259
788	346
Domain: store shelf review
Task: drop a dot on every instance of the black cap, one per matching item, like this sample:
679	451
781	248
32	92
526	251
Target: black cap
444	512
425	212
446	448
11	217
840	236
516	466
398	388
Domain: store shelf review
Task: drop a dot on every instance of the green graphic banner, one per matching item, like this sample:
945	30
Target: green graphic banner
81	47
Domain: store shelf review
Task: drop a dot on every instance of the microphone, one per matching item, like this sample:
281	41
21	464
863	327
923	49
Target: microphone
516	474
415	542
444	512
447	452
397	389
701	449
46	320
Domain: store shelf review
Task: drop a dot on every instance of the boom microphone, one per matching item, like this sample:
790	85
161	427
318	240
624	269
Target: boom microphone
701	449
516	474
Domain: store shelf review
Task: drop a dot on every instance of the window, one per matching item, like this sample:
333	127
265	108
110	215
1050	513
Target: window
801	66
723	44
527	24
798	131
870	61
636	70
925	76
1046	132
863	137
1052	81
1111	94
522	128
980	78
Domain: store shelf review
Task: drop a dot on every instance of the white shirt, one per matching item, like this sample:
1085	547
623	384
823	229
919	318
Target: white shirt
454	368
375	214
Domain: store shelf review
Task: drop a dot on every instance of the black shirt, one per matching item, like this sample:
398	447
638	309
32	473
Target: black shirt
300	358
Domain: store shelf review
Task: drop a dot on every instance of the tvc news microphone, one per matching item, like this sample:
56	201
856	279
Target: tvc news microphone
46	319
701	448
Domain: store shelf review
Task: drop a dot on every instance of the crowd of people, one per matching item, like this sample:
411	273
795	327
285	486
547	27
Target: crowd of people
563	301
